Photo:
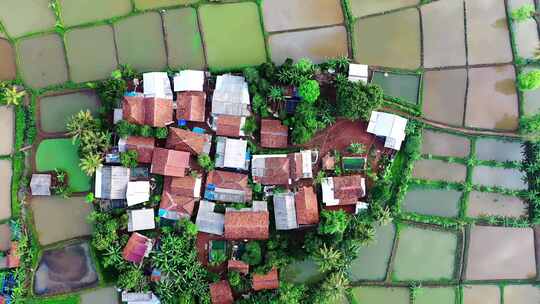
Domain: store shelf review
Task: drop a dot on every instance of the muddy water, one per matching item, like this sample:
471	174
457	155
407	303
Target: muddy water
531	105
5	189
526	34
231	41
391	40
497	253
372	294
107	295
304	272
55	111
444	96
86	62
7	117
445	144
521	294
499	150
8	69
506	178
84	11
318	45
148	4
5	237
403	86
484	203
24	16
140	43
59	219
433	169
492	100
448	49
367	7
432	202
183	39
440	295
372	261
282	15
425	254
43	61
481	294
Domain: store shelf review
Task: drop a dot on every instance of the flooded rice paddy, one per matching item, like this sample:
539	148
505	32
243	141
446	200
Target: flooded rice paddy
444	96
402	86
8	68
283	15
372	261
438	295
434	169
26	16
7	117
445	144
481	294
319	44
497	253
85	11
500	177
498	150
149	4
372	294
521	294
432	202
362	8
495	204
5	189
184	43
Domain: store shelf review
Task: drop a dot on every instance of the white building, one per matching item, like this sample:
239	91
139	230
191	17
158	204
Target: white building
285	211
139	298
189	80
390	126
138	192
141	219
209	221
158	85
231	96
111	182
358	72
231	153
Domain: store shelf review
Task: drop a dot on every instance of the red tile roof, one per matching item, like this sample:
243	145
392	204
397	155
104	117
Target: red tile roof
191	106
230	180
169	162
307	208
296	168
13	259
221	293
228	125
276	171
133	109
184	140
273	134
182	205
144	147
155	112
180	185
237	265
248	225
348	189
266	281
136	247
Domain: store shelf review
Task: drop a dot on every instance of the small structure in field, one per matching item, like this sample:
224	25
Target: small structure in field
192	142
273	134
137	192
221	293
248	223
155	112
208	220
231	96
189	81
111	182
137	248
40	184
157	85
170	162
141	219
143	145
343	190
231	153
390	126
227	125
227	186
266	281
358	72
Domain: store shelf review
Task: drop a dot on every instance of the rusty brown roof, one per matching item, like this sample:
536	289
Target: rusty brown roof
133	110
184	140
229	125
276	171
221	293
144	147
191	106
136	248
237	265
249	225
307	207
180	185
183	205
169	162
273	134
266	281
230	180
348	189
155	112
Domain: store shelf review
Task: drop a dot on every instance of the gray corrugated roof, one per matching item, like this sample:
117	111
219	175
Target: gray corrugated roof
285	211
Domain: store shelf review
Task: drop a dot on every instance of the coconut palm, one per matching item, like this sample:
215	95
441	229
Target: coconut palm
12	96
90	163
328	258
80	123
335	286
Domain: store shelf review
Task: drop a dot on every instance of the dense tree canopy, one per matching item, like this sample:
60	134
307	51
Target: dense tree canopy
356	100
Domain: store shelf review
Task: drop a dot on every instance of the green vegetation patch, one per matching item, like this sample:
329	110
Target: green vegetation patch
55	111
25	16
439	295
149	4
372	294
85	11
401	86
425	255
67	299
91	53
62	154
531	104
184	43
372	261
306	271
232	41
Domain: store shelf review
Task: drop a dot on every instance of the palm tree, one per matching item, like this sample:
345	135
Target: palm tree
80	123
328	258
90	163
336	284
12	96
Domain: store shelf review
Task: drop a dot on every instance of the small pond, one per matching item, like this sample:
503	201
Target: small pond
501	177
306	271
283	15
432	202
107	295
372	261
56	110
402	86
434	169
495	204
445	144
184	41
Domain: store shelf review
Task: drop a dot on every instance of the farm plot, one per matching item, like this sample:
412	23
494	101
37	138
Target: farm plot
26	16
372	294
495	204
56	110
184	41
432	202
439	295
7	117
85	11
42	60
283	15
5	189
433	169
390	40
231	41
447	50
424	255
107	295
481	294
91	53
402	86
7	64
304	272
444	96
498	150
362	8
488	39
499	177
531	104
521	294
139	40
318	44
372	261
58	219
445	144
497	253
525	32
62	154
149	4
492	100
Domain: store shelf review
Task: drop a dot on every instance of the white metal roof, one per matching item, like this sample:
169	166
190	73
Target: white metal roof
390	126
231	96
327	185
141	219
209	221
111	182
189	80
358	72
285	211
157	84
138	192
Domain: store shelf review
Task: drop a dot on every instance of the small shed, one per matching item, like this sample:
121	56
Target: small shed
141	219
189	80
138	192
390	126
221	293
157	85
266	281
358	72
40	184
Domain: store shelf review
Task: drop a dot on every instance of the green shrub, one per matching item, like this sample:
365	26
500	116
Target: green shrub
355	100
206	162
309	91
523	13
161	133
529	81
253	253
129	159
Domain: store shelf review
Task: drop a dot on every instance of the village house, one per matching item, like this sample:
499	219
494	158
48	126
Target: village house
170	162
111	182
189	81
190	96
292	210
137	192
307	206
157	85
301	165
192	142
285	211
208	220
179	197
343	190
231	96
231	153
231	126
228	187
266	281
273	134
390	126
155	112
141	219
143	145
248	223
40	184
221	293
358	72
271	169
137	248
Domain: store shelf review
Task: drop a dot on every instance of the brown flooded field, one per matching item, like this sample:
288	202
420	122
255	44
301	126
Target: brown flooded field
368	7
445	144
449	51
521	294
7	64
5	237
497	253
432	202
444	96
283	15
501	177
391	40
481	294
495	204
24	16
5	189
7	117
498	150
492	100
318	44
433	169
